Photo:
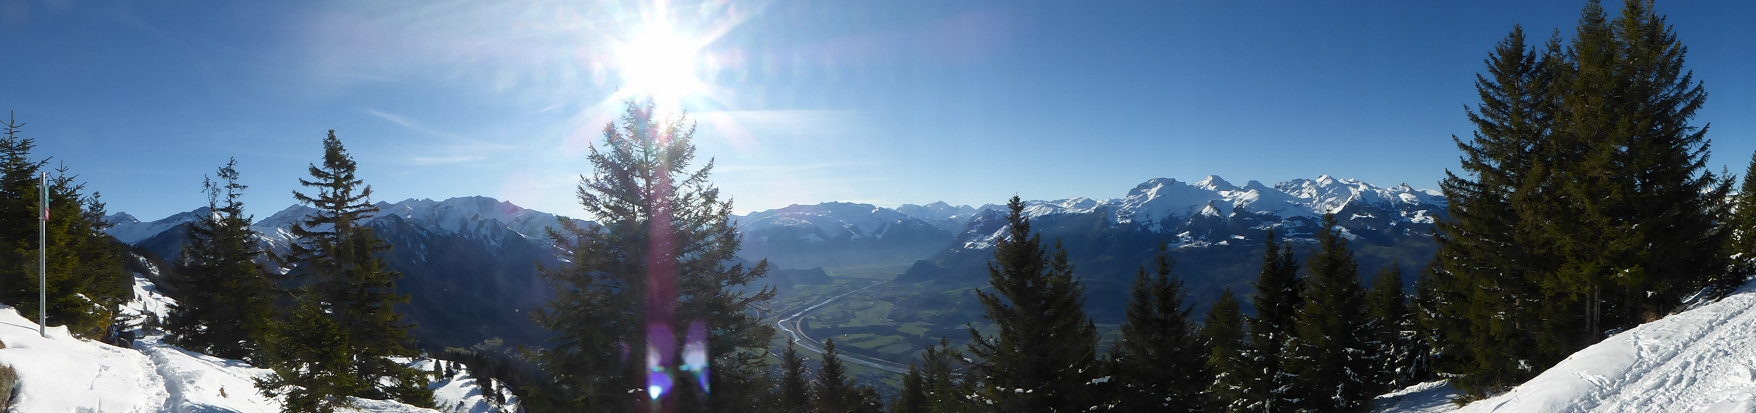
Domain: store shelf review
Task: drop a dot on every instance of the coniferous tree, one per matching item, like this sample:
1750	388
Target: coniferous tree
1484	272
1330	351
832	393
1159	365
336	262
1044	356
1391	328
1262	380
224	305
1225	338
945	386
1586	206
913	396
795	388
652	280
310	356
86	282
1741	233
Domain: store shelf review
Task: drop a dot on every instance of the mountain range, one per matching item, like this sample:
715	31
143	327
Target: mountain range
472	264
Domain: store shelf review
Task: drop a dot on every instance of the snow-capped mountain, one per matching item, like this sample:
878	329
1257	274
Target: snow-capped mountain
1214	210
839	234
470	264
950	218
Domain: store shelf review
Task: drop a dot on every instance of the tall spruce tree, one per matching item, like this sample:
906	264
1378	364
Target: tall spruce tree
1044	356
1741	233
1159	365
1225	338
833	392
653	280
1261	380
86	282
1484	266
941	380
1330	351
336	264
312	361
1392	330
795	388
1586	206
223	304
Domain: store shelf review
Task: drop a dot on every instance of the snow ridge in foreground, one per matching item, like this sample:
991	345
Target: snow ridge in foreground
1700	360
63	373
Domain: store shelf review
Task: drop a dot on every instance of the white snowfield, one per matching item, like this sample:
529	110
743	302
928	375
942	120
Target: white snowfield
62	373
1700	360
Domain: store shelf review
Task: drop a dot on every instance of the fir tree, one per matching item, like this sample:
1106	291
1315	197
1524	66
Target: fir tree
1741	231
1159	363
795	388
223	305
1224	336
1484	265
1330	351
652	280
336	260
86	282
913	397
1391	328
832	393
310	356
1261	379
942	380
1586	205
1044	356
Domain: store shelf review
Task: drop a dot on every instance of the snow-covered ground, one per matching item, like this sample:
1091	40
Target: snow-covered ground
62	373
1701	360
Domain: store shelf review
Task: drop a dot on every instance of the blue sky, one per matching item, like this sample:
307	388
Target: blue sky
885	102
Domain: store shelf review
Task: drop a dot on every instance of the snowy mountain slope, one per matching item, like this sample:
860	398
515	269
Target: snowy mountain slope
131	230
1214	211
62	373
1700	360
470	264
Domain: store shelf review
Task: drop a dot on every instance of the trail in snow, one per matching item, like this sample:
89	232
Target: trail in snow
1700	360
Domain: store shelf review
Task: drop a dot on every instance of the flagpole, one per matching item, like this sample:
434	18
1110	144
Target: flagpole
43	262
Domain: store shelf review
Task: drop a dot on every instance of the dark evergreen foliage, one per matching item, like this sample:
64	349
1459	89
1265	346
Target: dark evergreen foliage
1261	381
1159	365
795	388
653	280
941	383
86	281
312	362
1044	356
1331	351
1584	206
337	265
222	293
1392	330
1225	338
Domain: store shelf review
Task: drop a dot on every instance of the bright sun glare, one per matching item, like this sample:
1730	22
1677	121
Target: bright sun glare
659	63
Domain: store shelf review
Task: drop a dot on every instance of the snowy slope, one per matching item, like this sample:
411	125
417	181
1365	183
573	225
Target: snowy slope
62	373
1701	360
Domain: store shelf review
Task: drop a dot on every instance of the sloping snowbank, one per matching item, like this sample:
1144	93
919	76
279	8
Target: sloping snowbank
62	373
1701	360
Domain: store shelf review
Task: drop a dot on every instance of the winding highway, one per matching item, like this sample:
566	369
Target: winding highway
793	325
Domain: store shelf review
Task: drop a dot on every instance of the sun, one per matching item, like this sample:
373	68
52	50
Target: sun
659	63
